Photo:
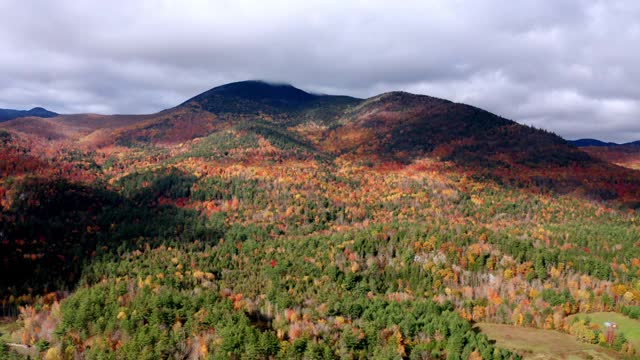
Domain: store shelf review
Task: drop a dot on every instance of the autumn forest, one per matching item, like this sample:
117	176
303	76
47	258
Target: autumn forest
259	221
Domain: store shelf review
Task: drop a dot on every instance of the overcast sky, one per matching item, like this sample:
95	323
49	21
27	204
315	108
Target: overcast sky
572	67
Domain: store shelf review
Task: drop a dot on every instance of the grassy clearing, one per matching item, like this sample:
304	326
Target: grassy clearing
544	344
6	328
627	325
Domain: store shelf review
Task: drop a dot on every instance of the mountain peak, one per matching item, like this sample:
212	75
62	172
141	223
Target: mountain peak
10	114
259	90
251	96
256	83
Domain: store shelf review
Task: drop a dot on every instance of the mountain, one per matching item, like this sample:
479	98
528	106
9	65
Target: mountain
266	96
255	96
9	114
395	126
625	155
404	126
257	220
595	142
591	142
239	118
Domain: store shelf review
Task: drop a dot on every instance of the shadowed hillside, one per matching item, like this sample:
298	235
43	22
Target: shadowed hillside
404	126
623	155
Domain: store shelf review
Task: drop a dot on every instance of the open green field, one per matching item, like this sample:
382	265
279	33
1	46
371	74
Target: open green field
543	344
630	327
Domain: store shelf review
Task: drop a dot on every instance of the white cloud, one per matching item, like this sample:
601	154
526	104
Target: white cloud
569	66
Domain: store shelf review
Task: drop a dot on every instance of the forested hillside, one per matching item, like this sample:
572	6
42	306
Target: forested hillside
260	221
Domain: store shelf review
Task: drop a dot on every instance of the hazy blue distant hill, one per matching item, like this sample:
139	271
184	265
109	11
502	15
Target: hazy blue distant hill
10	114
596	142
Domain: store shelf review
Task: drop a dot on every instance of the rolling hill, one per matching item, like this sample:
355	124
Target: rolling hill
625	154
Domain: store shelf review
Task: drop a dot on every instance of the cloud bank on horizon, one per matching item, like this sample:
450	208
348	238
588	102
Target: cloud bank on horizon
569	66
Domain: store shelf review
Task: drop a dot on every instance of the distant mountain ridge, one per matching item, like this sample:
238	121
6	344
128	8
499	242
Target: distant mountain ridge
10	114
596	142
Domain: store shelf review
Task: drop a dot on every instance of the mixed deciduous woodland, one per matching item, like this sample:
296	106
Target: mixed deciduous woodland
259	221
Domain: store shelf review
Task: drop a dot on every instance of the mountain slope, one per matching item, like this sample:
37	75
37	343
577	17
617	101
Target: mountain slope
625	154
591	142
281	102
232	105
396	126
69	127
275	96
282	224
10	114
622	155
217	109
403	126
596	142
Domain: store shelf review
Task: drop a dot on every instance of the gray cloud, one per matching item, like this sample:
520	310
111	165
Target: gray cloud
569	66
